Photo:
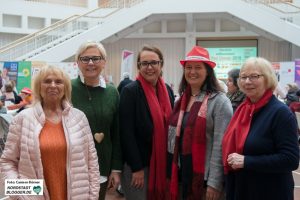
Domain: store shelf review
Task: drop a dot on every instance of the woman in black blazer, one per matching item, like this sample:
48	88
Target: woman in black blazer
145	106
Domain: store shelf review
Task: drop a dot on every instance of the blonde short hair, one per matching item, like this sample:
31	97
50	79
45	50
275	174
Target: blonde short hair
266	69
42	74
90	44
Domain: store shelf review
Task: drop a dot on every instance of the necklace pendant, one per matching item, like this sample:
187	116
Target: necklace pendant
99	137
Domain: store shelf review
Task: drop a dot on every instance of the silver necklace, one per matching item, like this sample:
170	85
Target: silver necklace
195	95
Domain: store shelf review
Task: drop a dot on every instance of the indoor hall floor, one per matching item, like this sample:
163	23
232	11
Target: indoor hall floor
112	195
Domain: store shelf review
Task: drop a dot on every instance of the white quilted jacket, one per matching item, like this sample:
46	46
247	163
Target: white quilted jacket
22	158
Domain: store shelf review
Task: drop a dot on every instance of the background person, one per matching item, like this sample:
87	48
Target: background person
291	96
4	77
145	106
100	102
260	148
196	129
295	106
26	97
126	80
9	94
234	93
52	141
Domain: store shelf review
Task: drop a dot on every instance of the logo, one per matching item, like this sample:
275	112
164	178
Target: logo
37	189
23	187
26	72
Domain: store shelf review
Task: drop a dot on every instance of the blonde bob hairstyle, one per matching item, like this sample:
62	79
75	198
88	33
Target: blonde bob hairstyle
90	44
51	70
266	69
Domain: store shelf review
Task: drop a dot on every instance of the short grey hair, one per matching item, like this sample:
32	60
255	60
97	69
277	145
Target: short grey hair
266	69
90	44
125	75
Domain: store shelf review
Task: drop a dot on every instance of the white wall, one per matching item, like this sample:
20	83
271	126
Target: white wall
26	9
172	50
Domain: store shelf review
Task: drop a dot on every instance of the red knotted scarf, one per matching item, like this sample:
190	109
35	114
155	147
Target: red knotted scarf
194	143
160	109
239	126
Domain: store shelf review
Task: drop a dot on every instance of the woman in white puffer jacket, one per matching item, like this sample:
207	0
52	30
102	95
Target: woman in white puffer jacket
52	141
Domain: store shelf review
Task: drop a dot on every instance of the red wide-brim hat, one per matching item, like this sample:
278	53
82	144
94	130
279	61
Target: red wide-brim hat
26	90
198	54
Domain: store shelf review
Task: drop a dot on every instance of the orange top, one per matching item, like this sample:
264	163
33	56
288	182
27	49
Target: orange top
53	148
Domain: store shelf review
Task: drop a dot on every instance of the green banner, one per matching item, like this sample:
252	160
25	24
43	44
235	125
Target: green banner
24	75
228	58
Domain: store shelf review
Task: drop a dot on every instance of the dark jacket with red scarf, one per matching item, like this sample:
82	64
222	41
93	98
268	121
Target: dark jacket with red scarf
271	154
136	126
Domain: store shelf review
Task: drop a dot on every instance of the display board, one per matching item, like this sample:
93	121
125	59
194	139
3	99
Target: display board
228	58
230	53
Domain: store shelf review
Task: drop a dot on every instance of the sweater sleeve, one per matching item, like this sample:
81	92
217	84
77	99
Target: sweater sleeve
285	156
115	136
221	116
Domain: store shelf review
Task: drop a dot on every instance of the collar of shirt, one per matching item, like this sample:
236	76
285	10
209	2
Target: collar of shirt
100	84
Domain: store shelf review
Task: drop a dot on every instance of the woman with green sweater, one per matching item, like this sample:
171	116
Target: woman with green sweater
99	101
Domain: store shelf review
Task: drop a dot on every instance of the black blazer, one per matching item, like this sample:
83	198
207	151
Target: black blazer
136	126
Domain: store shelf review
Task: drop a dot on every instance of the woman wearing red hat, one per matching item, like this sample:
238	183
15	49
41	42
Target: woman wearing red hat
196	129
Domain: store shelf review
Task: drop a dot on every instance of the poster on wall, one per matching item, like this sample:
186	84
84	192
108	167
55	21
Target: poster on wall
35	67
297	71
1	67
127	63
10	72
228	58
276	67
286	73
70	68
24	75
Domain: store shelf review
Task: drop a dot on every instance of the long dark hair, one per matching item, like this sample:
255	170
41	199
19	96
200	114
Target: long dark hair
211	83
234	74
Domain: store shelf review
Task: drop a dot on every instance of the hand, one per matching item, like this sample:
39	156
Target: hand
236	161
212	193
138	179
114	180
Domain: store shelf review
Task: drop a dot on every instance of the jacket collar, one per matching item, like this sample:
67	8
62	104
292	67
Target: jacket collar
40	115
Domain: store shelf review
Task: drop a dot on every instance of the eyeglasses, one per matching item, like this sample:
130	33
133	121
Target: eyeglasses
153	63
252	77
95	59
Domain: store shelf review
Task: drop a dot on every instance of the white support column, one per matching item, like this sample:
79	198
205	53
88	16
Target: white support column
190	41
190	38
164	26
218	26
189	23
47	21
24	22
1	20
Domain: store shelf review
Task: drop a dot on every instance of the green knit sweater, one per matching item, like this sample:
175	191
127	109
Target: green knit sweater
101	107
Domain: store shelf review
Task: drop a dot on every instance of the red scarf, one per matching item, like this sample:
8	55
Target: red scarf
160	109
239	126
194	142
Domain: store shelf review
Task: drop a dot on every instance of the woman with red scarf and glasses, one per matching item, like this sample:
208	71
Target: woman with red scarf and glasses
196	129
260	146
145	106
